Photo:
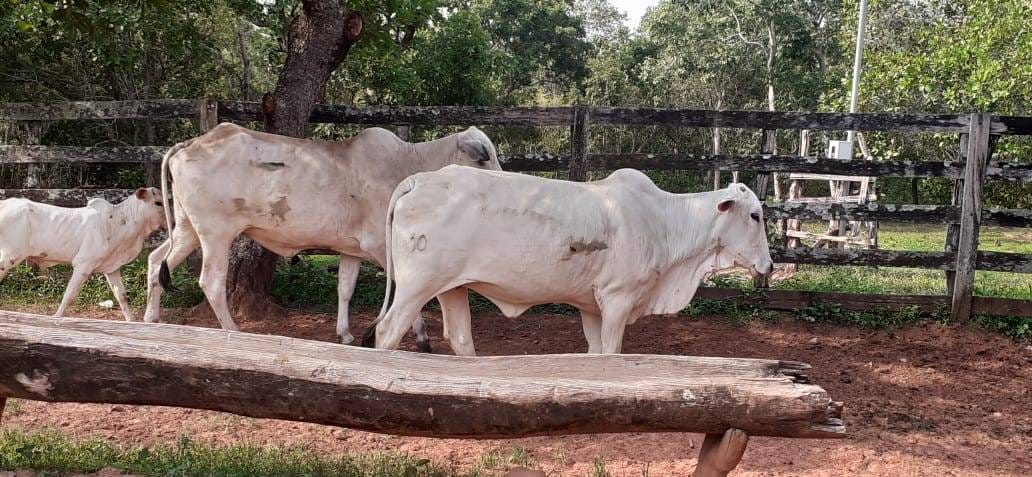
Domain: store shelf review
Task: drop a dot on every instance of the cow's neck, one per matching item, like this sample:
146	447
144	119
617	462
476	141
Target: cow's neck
690	226
125	224
433	155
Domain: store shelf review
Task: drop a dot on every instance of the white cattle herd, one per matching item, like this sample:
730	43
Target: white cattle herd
440	217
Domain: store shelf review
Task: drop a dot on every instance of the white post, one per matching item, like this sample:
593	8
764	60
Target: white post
858	58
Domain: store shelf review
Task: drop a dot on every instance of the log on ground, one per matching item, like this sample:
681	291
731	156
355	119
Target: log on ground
402	393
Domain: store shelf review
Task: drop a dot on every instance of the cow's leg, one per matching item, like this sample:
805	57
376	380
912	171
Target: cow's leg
183	242
7	262
422	337
347	275
114	280
402	315
457	321
80	273
614	320
592	324
214	272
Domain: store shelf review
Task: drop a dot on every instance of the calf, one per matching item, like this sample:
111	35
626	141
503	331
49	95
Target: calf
100	237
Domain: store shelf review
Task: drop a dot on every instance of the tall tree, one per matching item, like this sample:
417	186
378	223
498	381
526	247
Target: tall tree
318	39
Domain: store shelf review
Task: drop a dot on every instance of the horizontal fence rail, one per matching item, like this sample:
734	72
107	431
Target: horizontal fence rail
547	162
520	116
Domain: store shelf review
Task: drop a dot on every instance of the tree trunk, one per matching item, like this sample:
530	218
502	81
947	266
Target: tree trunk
318	40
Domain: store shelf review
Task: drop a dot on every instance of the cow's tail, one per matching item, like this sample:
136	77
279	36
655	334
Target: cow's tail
164	275
406	186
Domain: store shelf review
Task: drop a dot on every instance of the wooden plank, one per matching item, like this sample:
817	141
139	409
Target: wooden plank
883	258
1012	125
207	114
579	132
695	118
985	305
149	109
768	147
853	199
825	237
64	154
396	392
792	300
953	228
66	197
1004	262
415	115
881	212
970	216
825	177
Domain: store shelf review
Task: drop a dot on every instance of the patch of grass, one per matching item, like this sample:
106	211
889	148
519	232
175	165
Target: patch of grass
53	452
13	407
834	313
1016	327
501	460
22	287
598	468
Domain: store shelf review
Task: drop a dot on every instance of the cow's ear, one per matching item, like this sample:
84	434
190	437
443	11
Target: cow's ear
475	149
725	205
142	193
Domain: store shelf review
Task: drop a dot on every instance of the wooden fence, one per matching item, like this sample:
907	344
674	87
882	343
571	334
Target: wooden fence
977	135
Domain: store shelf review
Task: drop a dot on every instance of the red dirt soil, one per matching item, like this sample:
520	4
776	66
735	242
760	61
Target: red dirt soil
926	400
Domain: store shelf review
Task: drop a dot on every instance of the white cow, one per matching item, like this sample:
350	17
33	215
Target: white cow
616	249
291	195
100	237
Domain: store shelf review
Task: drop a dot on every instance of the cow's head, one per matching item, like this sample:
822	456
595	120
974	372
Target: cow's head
740	231
150	207
475	149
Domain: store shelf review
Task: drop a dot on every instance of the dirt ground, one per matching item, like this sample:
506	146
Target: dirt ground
928	400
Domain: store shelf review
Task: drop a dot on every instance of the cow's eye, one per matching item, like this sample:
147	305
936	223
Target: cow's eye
159	204
756	216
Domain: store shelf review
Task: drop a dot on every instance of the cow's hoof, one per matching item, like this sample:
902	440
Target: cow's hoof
424	346
347	339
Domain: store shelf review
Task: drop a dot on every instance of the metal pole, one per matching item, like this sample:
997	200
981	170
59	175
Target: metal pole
857	60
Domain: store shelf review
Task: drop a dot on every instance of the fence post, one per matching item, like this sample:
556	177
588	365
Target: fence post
768	145
716	152
207	114
970	216
579	145
953	229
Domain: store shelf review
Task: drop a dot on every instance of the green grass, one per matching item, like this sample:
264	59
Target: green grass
54	453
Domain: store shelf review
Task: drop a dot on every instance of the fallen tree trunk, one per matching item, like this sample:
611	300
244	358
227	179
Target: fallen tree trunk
396	392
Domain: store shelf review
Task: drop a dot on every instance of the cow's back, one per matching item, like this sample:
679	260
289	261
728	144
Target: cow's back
32	229
290	194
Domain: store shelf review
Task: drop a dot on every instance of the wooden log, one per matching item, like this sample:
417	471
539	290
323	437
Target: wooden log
883	212
139	109
695	118
721	453
415	115
987	305
396	392
579	145
970	216
883	258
